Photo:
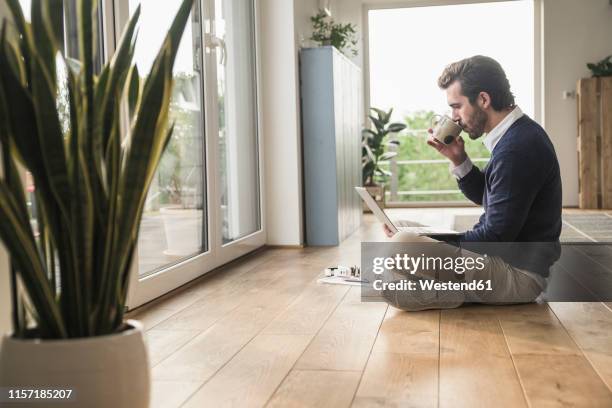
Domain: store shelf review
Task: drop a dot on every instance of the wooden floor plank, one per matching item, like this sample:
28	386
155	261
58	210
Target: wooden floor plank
404	332
190	293
403	367
346	339
399	380
162	343
561	381
209	351
307	314
152	316
552	369
251	378
203	313
476	369
219	297
172	394
534	329
576	260
316	389
590	325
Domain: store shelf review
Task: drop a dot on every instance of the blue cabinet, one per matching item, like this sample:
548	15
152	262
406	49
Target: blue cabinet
331	103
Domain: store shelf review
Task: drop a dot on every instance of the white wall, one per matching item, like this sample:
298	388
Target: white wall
574	32
304	9
5	301
283	23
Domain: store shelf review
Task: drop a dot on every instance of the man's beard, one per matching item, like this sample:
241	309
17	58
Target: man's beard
475	128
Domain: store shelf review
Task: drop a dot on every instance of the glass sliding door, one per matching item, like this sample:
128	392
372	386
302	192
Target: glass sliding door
236	100
173	224
204	207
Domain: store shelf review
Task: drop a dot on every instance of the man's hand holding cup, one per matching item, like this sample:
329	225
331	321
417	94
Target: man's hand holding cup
444	137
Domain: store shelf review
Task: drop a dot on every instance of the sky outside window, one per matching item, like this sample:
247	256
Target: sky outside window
410	47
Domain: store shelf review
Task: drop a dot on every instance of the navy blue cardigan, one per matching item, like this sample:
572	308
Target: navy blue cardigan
520	189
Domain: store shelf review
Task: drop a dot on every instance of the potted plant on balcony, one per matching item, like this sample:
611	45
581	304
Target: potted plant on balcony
375	152
70	277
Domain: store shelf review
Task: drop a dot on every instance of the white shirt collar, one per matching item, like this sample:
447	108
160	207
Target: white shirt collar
493	137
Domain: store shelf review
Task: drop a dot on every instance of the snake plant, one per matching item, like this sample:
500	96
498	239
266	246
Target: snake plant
70	277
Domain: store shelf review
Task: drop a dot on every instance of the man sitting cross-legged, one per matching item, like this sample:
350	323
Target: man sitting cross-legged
519	189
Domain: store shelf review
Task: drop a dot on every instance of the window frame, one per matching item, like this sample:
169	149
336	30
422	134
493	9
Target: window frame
538	68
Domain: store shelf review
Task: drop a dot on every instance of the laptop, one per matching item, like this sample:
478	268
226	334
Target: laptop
400	226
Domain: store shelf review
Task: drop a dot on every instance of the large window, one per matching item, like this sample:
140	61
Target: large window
236	97
409	48
173	227
203	208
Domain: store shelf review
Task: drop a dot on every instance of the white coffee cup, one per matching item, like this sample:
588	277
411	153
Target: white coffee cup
445	130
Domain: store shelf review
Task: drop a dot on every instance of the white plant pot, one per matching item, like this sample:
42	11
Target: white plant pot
183	238
103	371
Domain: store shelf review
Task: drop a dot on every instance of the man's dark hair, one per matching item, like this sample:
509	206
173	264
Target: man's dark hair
479	74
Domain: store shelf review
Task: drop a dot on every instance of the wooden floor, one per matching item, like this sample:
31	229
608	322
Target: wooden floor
262	332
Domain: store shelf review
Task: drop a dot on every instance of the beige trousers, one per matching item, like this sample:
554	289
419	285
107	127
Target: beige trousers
509	285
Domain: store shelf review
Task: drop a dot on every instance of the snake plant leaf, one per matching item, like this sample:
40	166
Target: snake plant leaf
146	138
86	38
20	242
100	90
11	173
50	135
83	234
142	149
13	181
118	70
74	103
46	45
133	90
53	11
18	17
177	28
21	118
11	54
23	30
90	188
149	131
